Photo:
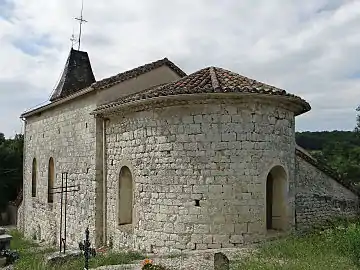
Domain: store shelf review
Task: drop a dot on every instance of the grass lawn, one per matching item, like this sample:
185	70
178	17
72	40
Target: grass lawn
32	256
337	248
332	249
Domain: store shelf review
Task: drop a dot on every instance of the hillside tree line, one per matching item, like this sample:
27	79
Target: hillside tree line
340	150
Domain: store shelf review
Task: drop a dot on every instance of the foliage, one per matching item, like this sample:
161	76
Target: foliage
357	128
11	170
32	256
333	248
340	150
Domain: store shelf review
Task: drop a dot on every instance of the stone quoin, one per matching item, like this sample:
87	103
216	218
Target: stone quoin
167	161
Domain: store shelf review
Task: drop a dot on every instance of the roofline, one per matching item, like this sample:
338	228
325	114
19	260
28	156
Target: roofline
113	80
165	61
58	102
306	156
113	107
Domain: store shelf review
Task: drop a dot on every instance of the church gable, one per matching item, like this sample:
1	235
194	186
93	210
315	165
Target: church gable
124	76
136	81
78	80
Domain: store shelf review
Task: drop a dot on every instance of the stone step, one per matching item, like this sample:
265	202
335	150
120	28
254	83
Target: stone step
2	230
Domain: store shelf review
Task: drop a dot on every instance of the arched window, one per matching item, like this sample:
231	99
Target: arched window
276	187
33	178
51	176
125	196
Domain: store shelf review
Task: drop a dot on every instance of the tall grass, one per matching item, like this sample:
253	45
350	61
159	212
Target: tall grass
334	248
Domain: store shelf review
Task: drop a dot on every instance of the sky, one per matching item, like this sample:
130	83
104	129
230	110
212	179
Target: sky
310	48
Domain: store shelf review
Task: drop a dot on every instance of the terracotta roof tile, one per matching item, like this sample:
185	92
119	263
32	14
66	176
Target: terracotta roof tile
207	80
108	82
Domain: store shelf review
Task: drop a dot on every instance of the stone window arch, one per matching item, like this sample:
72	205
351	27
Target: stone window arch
33	177
125	196
51	179
276	194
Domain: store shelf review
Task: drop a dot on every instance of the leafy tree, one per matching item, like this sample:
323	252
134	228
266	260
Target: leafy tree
11	159
2	138
340	150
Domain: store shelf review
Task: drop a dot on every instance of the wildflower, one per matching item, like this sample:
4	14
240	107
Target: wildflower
147	261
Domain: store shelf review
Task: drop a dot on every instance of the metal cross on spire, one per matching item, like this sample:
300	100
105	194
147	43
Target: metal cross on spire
81	21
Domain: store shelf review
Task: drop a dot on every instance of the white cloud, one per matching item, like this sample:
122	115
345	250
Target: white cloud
310	48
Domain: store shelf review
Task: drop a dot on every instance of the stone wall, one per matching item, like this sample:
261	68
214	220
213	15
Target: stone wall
20	218
216	156
74	139
67	134
319	197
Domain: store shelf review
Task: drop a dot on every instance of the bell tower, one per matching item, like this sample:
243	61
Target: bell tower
77	73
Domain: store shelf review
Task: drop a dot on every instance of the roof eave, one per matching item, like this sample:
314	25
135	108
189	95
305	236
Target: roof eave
165	61
298	105
57	102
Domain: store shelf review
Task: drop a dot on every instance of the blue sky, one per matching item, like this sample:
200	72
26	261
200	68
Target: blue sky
309	48
7	8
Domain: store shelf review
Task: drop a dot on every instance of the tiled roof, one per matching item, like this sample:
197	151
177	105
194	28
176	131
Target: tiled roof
108	82
300	152
57	98
207	80
77	75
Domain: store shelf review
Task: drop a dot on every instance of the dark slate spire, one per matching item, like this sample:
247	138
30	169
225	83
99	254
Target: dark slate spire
77	75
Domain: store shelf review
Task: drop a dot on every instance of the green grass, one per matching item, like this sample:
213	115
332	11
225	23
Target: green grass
32	257
335	248
332	249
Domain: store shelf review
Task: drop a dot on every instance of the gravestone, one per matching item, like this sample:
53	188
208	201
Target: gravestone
60	257
221	262
4	245
4	239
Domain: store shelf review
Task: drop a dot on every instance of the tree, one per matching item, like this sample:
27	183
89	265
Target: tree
340	150
357	128
2	138
11	158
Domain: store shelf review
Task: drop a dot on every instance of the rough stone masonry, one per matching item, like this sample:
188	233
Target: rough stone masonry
167	162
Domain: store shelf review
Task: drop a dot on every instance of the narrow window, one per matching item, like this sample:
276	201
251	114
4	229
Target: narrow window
125	196
51	176
33	178
276	186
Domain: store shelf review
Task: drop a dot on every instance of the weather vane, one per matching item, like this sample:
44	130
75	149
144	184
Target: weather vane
73	39
81	21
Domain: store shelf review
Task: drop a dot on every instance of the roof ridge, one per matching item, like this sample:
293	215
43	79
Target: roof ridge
131	73
211	80
214	80
173	66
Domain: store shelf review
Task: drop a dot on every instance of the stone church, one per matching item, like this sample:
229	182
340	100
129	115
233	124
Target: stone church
163	161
